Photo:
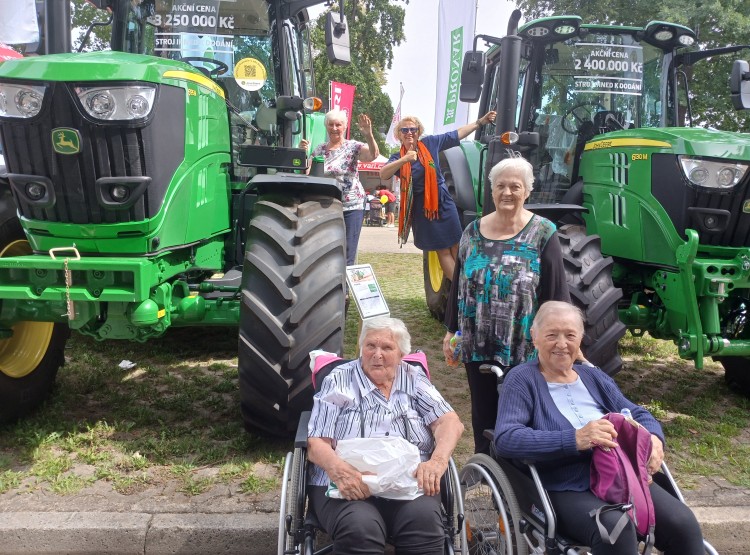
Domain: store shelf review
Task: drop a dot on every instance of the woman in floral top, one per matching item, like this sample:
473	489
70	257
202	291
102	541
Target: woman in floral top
341	156
509	262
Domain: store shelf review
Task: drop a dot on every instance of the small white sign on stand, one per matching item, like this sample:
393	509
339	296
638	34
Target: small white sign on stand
364	288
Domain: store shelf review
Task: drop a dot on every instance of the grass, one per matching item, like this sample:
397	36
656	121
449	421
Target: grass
175	416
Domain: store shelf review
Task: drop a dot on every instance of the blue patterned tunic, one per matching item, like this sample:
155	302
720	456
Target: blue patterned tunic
498	291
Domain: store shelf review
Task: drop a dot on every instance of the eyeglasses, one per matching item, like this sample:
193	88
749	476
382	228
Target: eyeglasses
405	130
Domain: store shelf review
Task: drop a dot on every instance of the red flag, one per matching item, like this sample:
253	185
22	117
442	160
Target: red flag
7	53
342	97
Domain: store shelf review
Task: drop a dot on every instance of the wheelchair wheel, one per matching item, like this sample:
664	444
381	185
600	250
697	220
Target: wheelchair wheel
492	515
292	509
453	505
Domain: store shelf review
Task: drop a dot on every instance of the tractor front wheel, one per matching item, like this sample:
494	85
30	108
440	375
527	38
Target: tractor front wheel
31	356
737	373
436	286
589	276
292	303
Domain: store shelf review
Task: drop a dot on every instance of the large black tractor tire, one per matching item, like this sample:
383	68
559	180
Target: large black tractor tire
292	303
30	358
436	286
737	373
589	276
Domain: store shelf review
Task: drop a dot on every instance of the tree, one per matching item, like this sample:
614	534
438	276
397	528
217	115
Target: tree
375	28
82	15
717	23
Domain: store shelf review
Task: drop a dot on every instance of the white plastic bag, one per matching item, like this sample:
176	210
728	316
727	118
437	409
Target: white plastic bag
391	460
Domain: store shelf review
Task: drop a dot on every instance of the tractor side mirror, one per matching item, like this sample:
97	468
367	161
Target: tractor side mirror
337	39
472	76
739	85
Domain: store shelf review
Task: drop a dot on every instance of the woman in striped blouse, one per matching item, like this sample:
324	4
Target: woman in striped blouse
378	395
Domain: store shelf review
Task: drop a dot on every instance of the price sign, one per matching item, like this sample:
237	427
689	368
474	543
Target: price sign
197	16
608	68
366	292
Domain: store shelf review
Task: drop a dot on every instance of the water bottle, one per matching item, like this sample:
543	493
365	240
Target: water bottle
455	344
626	413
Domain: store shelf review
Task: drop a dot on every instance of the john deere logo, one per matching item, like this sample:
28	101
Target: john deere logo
66	140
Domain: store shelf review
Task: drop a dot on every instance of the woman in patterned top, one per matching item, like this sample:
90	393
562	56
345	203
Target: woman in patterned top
377	395
509	262
341	156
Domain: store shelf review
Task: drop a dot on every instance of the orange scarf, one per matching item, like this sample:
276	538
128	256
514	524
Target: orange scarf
430	185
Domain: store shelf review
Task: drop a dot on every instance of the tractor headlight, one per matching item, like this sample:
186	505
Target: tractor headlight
713	174
21	101
117	103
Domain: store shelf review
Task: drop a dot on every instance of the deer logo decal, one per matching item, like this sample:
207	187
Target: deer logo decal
66	140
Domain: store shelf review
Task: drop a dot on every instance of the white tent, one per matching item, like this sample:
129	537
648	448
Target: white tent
18	22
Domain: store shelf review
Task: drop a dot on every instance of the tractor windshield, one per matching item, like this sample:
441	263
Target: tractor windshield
237	43
587	86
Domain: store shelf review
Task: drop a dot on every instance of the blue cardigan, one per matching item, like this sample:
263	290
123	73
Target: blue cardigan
530	427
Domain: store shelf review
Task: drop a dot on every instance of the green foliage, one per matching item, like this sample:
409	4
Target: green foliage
82	15
375	28
717	22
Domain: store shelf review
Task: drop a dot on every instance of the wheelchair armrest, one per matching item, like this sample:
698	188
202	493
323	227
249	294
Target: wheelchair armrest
300	438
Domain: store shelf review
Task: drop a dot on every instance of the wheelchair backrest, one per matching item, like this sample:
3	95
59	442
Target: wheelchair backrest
321	364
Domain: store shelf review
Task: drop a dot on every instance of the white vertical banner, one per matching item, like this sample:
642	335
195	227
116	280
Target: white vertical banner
390	139
18	23
456	19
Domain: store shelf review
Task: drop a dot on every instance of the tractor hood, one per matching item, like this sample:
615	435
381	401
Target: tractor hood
92	66
679	140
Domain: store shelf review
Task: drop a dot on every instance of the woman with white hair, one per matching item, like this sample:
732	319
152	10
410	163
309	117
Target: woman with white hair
341	156
550	412
378	395
509	262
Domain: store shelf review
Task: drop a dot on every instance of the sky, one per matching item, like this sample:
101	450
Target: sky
415	59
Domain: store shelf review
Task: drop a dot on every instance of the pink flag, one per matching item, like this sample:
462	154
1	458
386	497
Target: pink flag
342	97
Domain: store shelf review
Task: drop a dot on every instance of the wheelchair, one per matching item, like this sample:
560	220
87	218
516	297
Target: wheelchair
508	511
300	532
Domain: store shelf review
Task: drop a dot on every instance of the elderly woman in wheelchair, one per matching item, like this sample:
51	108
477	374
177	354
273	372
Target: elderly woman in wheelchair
377	396
550	415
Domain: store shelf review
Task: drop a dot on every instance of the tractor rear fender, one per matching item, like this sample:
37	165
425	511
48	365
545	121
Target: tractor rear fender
292	183
464	182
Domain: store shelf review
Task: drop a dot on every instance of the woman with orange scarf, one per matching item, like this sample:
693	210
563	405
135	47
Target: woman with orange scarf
431	213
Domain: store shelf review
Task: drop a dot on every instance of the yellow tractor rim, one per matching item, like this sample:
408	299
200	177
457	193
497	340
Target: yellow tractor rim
22	353
435	271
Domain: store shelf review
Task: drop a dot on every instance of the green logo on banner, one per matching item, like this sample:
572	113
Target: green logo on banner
66	140
454	76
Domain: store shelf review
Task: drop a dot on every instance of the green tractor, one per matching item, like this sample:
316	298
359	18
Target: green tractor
158	185
653	213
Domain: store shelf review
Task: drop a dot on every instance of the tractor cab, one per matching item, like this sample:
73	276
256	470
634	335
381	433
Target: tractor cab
257	54
578	82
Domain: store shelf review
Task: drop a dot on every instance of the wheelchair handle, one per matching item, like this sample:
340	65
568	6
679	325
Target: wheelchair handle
492	369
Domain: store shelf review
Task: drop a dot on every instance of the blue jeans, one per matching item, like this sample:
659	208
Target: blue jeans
353	222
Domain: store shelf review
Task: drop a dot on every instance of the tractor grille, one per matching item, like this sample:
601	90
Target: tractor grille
154	149
719	218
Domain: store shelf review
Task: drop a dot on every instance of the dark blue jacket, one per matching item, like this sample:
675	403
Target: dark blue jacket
530	427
